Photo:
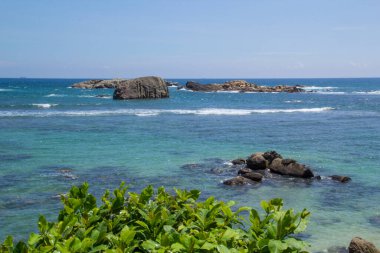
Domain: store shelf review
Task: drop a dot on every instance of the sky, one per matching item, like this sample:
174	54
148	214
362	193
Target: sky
190	38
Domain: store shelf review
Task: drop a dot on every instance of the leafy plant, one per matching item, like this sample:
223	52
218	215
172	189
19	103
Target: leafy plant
162	222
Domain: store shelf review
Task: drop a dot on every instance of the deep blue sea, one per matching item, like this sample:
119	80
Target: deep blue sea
187	141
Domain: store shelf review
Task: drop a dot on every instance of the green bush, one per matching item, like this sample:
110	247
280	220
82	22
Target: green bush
162	222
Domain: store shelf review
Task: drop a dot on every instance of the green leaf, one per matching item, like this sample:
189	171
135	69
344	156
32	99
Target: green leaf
208	246
222	249
127	235
276	246
150	245
177	247
33	239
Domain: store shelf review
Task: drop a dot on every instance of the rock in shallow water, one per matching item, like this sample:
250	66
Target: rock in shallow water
238	161
239	180
342	179
359	245
290	167
257	162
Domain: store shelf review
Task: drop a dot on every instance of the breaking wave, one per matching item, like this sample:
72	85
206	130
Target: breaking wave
55	95
44	106
374	92
155	112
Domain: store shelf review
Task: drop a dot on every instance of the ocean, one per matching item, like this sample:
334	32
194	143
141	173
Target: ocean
53	136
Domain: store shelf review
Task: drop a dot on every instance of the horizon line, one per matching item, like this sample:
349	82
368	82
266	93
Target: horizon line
197	78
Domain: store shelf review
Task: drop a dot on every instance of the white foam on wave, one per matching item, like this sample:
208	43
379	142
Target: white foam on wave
55	95
44	106
374	92
228	91
293	101
331	92
6	90
319	88
156	112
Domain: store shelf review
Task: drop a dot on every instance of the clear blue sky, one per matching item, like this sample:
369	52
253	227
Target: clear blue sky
190	38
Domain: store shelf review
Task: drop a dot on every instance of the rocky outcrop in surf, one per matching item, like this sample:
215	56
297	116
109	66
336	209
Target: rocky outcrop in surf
98	84
138	88
264	165
240	86
142	88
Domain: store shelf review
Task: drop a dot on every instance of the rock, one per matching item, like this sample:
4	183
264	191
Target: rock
239	180
253	176
171	83
202	87
143	87
238	161
288	161
359	245
291	168
342	179
240	85
98	84
257	162
244	171
271	155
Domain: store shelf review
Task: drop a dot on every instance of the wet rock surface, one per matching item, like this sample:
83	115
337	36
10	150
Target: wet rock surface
241	86
359	245
142	88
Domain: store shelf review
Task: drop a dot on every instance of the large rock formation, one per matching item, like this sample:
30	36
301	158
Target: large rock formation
143	87
98	84
359	245
241	86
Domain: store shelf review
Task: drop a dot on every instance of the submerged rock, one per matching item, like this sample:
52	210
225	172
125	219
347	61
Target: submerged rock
342	179
290	167
239	180
142	88
238	161
374	220
359	245
253	176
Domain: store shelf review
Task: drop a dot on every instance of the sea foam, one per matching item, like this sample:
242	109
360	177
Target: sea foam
155	112
44	106
374	92
55	95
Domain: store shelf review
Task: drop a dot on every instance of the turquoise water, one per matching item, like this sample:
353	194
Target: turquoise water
187	141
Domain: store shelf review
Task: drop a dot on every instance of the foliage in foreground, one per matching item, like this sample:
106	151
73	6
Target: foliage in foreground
162	222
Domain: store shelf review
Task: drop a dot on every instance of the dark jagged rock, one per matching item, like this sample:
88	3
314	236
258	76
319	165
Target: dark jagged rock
239	180
244	171
290	168
257	162
98	84
359	245
342	179
238	161
271	155
253	176
143	87
242	86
